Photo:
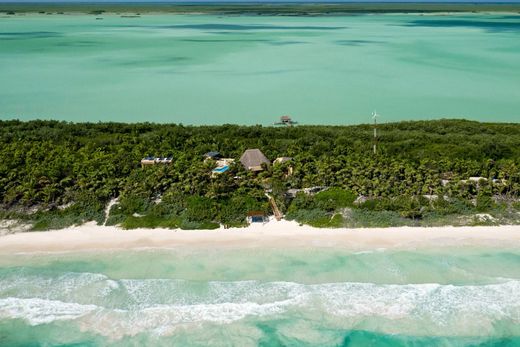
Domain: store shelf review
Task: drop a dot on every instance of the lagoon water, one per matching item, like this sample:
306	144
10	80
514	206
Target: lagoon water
202	69
465	296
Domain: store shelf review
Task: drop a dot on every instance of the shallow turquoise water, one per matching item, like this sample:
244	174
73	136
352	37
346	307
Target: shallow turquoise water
257	297
199	69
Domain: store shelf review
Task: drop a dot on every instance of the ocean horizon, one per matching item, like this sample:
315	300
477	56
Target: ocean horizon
212	69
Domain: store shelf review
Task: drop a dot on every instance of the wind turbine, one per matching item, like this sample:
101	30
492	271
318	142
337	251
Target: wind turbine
374	117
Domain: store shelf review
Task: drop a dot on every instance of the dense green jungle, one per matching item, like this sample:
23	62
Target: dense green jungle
425	173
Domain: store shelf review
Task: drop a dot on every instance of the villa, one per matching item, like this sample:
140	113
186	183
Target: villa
153	160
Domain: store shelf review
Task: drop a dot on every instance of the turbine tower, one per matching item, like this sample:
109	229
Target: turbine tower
374	117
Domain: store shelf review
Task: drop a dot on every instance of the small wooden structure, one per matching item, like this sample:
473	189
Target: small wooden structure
291	193
153	160
286	120
252	159
256	217
277	213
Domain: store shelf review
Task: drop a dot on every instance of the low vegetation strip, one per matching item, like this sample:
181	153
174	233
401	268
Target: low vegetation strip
288	9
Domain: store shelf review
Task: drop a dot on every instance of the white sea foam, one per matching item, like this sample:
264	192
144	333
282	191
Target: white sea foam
443	309
69	287
164	319
39	311
416	309
127	307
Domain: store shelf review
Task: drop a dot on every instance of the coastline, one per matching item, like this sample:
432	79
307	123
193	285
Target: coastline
4	13
281	9
284	234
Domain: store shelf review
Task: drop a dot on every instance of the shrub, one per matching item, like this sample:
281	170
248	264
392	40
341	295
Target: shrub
85	208
133	203
362	218
200	209
316	218
406	206
443	206
150	221
484	203
192	225
334	198
301	201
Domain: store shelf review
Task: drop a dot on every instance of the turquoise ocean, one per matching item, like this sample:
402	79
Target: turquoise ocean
208	69
445	296
199	69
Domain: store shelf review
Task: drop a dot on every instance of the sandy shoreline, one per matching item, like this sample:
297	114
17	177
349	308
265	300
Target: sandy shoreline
284	234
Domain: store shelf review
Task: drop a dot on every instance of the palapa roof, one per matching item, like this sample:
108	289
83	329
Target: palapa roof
252	159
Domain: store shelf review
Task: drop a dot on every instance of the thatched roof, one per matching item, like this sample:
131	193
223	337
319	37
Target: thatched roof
252	159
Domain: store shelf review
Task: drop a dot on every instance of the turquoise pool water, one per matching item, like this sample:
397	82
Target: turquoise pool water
202	69
221	169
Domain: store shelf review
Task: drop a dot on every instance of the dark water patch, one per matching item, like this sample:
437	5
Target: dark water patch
29	35
230	33
152	62
368	338
235	27
287	43
487	25
223	40
18	333
137	63
271	336
509	17
253	27
78	44
262	72
356	42
239	73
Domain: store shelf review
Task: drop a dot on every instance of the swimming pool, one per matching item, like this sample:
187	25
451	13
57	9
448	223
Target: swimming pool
221	169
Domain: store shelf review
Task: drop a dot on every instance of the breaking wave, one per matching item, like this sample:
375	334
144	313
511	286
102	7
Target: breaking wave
119	308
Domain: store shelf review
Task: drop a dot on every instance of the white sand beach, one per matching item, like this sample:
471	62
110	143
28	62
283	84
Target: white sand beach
283	234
